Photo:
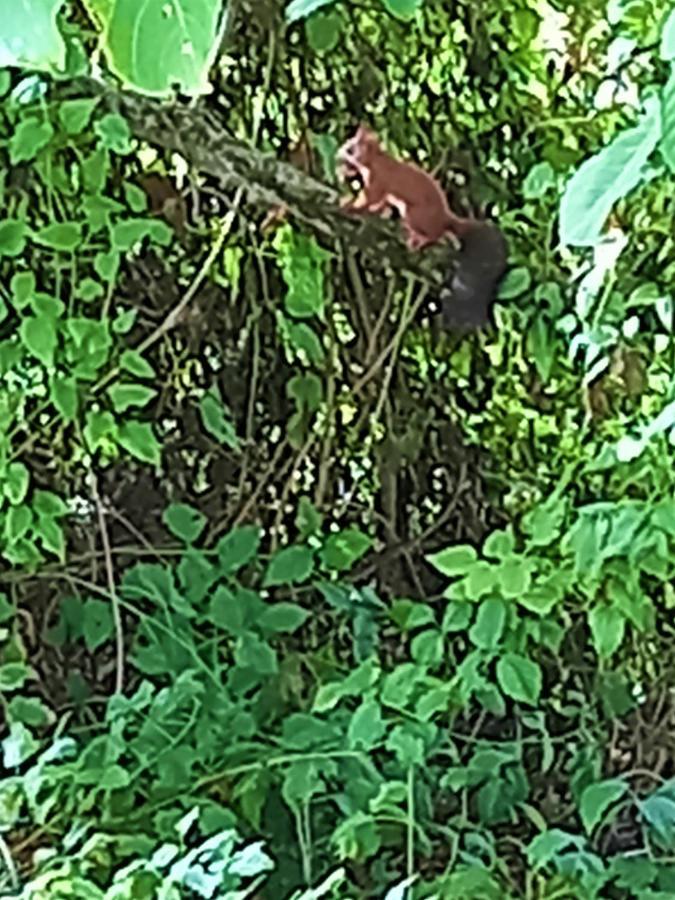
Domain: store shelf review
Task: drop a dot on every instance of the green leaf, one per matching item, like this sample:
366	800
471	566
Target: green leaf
515	282
300	9
302	337
482	579
500	544
402	9
97	623
409	614
51	535
308	519
124	396
253	653
29	711
487	630
38	335
134	32
667	49
514	577
341	550
457	616
15	482
63	394
217	419
114	132
17	522
607	626
139	440
283	617
366	728
538	180
323	30
667	144
75	115
541	598
306	390
106	265
545	847
14	676
46	503
237	548
132	361
30	37
519	678
289	565
659	812
457	560
62	236
30	136
124	321
184	522
596	800
606	177
426	648
13	239
18	746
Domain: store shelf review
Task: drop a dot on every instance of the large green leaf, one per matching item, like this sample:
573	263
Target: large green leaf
668	118
157	46
30	37
606	177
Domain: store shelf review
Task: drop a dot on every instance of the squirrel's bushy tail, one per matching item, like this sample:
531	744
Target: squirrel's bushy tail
471	288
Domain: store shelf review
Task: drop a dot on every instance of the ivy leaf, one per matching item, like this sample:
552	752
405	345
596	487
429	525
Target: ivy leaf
341	550
13	238
61	236
217	419
38	335
124	396
366	728
282	617
659	811
457	560
289	565
132	361
63	394
30	136
13	676
596	800
487	630
74	115
607	625
184	522
114	133
519	678
323	30
15	482
97	623
139	440
237	548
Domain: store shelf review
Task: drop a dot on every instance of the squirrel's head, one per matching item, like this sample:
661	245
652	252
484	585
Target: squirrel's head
360	148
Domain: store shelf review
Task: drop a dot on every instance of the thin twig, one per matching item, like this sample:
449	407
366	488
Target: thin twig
110	576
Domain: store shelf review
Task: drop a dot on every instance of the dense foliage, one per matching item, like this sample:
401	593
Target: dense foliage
301	597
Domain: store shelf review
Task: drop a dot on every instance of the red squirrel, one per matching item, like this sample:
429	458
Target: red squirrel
423	207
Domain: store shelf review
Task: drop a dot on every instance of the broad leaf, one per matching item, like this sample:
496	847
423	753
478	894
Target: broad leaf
606	177
186	32
519	678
